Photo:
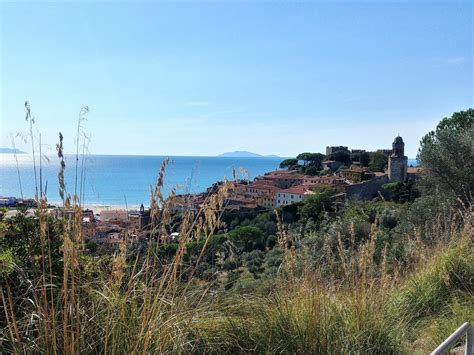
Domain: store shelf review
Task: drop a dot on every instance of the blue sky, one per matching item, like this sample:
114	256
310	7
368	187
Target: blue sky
201	78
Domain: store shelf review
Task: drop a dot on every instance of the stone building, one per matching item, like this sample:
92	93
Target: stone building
333	149
144	219
397	161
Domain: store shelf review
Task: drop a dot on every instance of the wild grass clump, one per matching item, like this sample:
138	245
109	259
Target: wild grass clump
310	313
369	308
429	291
308	319
437	329
56	299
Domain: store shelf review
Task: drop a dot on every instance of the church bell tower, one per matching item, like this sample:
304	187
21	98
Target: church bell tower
397	161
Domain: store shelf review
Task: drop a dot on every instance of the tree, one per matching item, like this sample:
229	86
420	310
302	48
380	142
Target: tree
403	191
378	161
311	159
363	158
447	154
314	205
316	159
248	238
311	170
341	156
304	156
289	164
254	262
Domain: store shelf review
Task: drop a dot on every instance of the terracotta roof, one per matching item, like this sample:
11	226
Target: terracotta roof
261	183
297	190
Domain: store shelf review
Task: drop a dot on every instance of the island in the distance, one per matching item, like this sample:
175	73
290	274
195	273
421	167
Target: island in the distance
245	154
10	151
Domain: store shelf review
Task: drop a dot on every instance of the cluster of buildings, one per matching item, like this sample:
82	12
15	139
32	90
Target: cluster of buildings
107	228
10	201
268	191
271	190
284	187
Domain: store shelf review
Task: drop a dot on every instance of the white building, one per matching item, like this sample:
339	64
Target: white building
292	195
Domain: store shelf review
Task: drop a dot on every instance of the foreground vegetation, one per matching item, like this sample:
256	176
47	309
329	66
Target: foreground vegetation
370	277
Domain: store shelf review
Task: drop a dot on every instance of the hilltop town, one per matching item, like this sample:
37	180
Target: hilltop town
348	174
342	169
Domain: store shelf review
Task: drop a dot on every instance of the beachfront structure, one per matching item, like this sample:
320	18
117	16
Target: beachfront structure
8	201
292	195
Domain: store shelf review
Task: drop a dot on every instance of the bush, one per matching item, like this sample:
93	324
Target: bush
430	291
254	262
248	238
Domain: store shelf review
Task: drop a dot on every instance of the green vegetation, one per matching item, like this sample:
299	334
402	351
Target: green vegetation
378	161
289	163
379	277
403	191
362	158
341	156
312	159
448	154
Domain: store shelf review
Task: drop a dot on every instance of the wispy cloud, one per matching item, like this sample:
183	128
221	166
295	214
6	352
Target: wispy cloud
196	103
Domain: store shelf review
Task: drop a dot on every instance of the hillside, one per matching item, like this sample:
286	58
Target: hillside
10	151
245	154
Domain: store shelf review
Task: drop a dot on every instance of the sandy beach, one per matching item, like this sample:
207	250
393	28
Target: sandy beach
96	208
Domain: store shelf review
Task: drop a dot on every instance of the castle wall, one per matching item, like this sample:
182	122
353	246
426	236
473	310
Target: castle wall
366	190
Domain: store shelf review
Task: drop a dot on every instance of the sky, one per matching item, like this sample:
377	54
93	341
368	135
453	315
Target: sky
202	78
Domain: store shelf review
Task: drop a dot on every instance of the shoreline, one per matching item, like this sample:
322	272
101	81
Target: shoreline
97	207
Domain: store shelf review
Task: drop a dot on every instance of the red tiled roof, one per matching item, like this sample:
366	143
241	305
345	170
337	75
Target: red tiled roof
297	190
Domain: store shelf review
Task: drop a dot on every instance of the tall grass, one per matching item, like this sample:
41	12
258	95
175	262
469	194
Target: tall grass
369	308
131	303
139	302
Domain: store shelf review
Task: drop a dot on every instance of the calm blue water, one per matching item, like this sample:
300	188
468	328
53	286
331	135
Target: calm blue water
121	180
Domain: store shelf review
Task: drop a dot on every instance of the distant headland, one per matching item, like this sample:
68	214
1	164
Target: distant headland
245	154
11	151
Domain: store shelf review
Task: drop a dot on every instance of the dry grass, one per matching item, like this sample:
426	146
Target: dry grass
365	310
141	303
130	304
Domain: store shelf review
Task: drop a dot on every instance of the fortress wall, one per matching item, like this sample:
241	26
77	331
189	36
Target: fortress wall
366	190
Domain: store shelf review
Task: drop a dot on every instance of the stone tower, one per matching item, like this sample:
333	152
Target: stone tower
397	161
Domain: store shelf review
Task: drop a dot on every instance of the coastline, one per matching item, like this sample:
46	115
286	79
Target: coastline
97	208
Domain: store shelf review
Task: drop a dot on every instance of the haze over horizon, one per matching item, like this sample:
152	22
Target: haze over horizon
276	78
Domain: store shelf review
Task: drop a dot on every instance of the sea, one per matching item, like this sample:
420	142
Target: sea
124	180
